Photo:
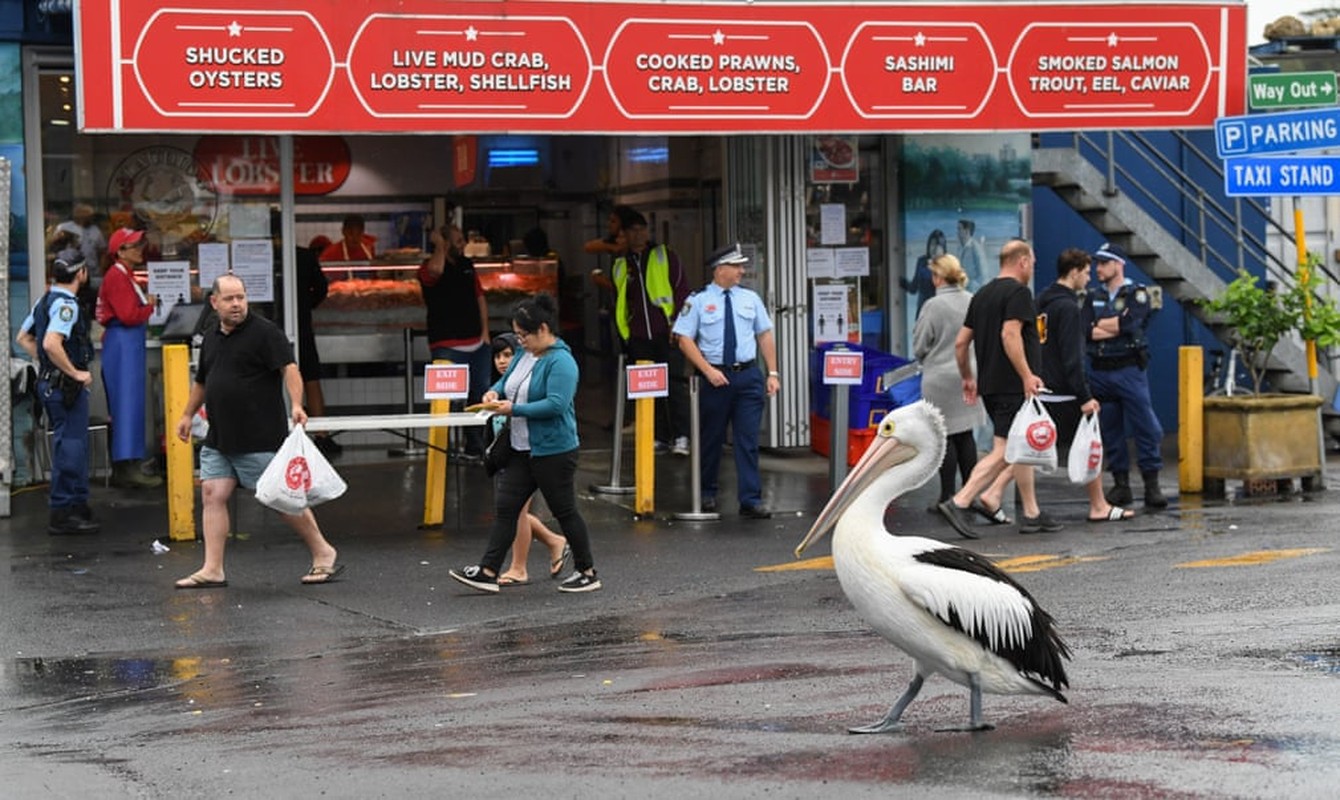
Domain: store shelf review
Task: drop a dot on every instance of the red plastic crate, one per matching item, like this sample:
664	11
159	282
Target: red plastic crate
858	439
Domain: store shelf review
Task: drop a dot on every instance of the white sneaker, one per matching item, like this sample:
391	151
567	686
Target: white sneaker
681	446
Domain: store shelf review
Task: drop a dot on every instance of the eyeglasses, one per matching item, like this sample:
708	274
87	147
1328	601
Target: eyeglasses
520	334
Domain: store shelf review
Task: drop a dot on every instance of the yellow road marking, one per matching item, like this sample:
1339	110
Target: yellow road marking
1031	563
1037	563
823	562
1255	557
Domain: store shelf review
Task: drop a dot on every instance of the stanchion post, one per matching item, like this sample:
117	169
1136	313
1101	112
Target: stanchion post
837	436
180	486
616	453
1191	419
644	455
435	474
409	450
695	461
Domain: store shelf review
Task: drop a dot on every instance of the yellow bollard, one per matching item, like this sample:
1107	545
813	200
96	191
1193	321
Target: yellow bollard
644	455
180	482
435	478
1191	420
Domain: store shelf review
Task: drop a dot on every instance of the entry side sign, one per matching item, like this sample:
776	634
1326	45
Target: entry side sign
1281	176
564	66
1286	132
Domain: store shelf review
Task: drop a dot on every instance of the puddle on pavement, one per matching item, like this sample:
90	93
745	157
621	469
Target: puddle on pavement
75	677
1326	660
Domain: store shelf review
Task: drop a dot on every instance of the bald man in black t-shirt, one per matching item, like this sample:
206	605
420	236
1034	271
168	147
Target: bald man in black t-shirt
1001	327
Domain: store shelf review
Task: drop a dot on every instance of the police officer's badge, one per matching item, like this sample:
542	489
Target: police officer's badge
66	313
688	304
1141	297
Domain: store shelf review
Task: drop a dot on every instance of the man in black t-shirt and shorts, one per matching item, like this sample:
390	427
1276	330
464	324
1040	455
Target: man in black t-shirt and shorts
245	364
1001	327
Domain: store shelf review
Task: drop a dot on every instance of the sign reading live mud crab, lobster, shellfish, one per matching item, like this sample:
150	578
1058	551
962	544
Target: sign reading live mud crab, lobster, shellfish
284	66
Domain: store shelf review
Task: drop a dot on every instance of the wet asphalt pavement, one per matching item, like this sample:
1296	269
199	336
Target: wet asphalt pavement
712	664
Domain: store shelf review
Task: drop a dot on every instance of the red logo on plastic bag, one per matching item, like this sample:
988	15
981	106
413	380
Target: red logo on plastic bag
297	475
1095	454
1041	435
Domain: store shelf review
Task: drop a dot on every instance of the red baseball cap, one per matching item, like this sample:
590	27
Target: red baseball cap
123	237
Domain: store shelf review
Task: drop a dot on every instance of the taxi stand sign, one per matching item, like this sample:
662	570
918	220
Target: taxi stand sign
648	380
843	367
1281	176
446	381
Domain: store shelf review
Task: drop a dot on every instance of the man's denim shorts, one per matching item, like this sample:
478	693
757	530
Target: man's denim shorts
245	468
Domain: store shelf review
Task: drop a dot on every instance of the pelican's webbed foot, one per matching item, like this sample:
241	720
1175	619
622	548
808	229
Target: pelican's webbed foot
890	722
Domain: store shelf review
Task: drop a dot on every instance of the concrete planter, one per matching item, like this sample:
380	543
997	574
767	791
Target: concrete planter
1261	438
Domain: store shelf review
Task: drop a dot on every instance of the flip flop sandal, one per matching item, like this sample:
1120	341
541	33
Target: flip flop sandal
1115	514
196	581
322	575
508	580
556	566
996	517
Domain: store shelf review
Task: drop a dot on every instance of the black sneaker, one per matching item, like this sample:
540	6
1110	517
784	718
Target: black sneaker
958	517
710	504
475	577
1042	523
755	512
578	582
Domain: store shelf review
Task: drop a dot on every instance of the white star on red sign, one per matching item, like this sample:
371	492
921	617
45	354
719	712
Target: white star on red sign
471	34
235	28
718	37
1112	40
919	39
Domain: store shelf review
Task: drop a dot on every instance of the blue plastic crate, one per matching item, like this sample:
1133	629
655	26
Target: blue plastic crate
867	401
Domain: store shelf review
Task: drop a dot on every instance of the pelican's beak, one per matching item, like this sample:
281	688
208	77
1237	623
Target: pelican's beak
886	451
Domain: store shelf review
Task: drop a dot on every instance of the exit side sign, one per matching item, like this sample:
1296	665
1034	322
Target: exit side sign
1291	90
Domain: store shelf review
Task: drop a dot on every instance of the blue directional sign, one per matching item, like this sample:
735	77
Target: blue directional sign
1287	132
1281	176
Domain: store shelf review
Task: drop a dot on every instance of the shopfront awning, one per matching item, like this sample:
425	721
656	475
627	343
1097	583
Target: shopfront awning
281	66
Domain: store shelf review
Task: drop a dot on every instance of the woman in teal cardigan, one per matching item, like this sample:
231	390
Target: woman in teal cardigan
538	392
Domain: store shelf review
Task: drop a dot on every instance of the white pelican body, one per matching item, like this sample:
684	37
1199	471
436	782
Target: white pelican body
951	610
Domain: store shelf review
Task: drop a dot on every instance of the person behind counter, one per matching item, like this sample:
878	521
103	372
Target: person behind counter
354	243
123	309
458	316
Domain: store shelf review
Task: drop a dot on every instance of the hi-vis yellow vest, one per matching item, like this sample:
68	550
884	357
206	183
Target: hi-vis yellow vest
658	286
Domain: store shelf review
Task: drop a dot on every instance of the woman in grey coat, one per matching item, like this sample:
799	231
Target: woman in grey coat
933	345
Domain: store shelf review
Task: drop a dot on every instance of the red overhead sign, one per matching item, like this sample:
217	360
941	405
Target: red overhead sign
324	66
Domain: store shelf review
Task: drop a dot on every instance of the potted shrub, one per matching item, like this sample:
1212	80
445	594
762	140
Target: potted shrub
1268	437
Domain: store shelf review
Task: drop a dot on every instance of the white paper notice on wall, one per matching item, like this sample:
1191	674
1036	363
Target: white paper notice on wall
253	262
819	263
832	223
852	262
170	282
830	313
213	258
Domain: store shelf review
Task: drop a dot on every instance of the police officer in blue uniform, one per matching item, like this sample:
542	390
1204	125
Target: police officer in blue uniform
1116	314
723	331
56	333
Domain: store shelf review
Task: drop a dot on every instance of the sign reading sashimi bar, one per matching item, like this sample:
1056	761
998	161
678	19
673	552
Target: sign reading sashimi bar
326	66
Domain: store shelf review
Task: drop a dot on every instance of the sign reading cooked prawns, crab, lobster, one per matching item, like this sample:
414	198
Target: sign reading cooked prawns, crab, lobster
534	66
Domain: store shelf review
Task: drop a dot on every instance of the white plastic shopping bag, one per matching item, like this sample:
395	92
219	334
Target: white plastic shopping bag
1086	452
1032	438
298	476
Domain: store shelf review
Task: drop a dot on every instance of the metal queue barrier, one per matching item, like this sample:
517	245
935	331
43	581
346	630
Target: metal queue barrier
695	460
412	448
616	454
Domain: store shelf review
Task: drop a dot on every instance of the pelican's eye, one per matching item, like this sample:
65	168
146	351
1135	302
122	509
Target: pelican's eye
886	428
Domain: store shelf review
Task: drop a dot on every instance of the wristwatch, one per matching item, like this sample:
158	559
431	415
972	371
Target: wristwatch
774	374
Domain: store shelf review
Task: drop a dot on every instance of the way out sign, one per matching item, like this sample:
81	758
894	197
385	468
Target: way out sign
843	367
648	380
446	381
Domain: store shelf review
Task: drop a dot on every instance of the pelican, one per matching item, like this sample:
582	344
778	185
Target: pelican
951	610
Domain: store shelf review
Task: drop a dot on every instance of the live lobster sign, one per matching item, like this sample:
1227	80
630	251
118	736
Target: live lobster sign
325	66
